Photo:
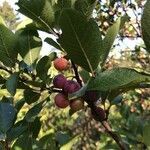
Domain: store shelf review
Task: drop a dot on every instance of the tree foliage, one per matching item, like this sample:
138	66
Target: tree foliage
85	44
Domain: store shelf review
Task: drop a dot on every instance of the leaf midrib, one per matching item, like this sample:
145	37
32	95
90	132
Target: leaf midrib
88	61
3	44
39	18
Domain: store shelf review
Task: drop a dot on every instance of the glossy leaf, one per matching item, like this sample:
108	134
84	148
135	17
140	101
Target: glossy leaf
117	100
7	116
41	11
117	78
33	112
86	7
52	56
23	143
53	43
109	40
81	39
19	104
8	46
30	96
18	129
11	83
29	45
36	126
47	142
70	143
62	138
84	75
43	66
145	22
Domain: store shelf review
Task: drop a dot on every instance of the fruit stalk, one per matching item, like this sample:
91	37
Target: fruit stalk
76	73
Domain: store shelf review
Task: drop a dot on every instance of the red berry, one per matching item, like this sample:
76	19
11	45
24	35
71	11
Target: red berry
71	86
61	100
99	114
61	64
76	104
59	81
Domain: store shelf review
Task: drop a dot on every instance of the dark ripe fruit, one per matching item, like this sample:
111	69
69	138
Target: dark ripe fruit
92	95
61	64
99	114
61	100
71	86
76	104
59	81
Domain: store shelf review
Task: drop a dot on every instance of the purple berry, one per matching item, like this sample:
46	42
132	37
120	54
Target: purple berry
71	86
59	81
99	114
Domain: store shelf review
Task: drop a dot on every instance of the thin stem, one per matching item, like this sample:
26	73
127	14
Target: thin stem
76	73
105	124
116	138
107	127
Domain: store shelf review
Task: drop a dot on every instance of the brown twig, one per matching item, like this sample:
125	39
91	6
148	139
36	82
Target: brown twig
108	129
76	73
116	138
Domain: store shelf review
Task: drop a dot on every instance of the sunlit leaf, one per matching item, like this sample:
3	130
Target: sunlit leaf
81	39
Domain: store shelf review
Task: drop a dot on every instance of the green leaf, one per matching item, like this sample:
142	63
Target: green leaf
60	4
11	83
30	96
146	134
19	104
41	11
23	143
81	39
53	56
24	23
7	116
145	23
86	7
47	142
18	129
8	46
109	40
33	112
62	138
69	145
117	100
29	45
43	66
36	126
53	43
117	78
84	75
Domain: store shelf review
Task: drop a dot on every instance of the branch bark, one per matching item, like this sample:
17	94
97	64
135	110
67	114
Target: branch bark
105	124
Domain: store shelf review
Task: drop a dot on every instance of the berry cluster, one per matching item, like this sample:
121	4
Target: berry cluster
71	86
67	86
